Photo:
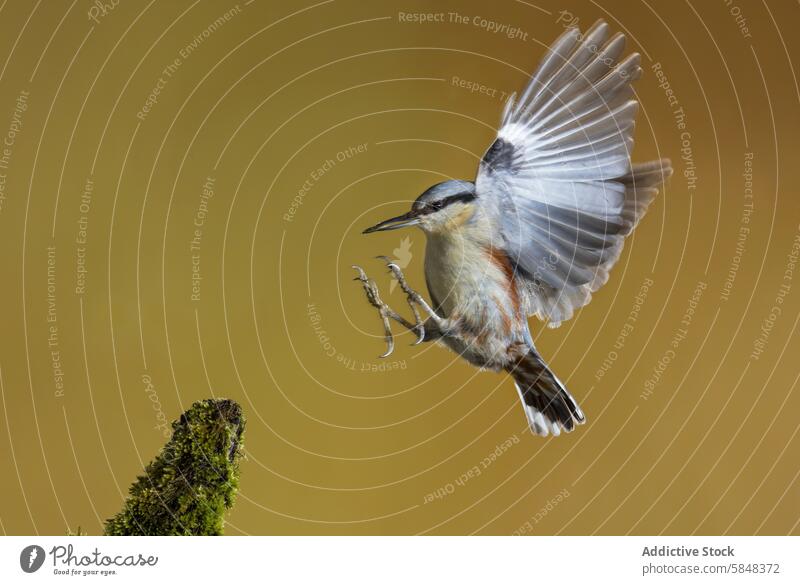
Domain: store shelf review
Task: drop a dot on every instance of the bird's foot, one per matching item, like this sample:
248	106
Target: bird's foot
414	298
374	298
386	312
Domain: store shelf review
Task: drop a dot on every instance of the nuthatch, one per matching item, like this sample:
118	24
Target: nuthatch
539	229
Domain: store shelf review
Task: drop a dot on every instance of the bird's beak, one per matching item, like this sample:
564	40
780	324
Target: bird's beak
401	221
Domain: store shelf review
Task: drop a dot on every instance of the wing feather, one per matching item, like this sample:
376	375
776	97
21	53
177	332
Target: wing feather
558	179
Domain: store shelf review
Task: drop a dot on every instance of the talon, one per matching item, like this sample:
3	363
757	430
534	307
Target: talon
383	309
389	351
398	274
388	263
387	334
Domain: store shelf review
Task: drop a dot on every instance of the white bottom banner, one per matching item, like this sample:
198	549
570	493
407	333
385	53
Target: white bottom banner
353	560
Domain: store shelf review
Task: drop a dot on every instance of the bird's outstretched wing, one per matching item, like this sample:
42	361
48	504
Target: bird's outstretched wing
558	180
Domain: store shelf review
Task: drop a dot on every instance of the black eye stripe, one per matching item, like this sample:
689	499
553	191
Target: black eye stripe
441	203
463	197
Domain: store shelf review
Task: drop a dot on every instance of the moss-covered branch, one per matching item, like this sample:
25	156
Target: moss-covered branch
188	487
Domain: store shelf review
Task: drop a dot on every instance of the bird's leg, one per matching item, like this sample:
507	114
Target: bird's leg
387	313
414	298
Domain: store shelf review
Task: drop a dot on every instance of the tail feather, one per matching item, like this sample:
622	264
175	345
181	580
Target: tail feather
548	405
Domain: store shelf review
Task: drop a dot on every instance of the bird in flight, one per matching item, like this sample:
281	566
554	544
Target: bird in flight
540	227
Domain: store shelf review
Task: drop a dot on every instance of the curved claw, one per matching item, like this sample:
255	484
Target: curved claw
393	268
414	298
398	274
389	349
387	331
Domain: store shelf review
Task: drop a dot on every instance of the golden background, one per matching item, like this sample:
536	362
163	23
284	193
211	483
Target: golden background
287	129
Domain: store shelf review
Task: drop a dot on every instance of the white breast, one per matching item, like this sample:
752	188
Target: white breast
461	276
474	295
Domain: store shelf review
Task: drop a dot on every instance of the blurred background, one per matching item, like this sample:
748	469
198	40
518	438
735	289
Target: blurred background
182	190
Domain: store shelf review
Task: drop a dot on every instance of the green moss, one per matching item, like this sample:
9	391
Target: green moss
188	487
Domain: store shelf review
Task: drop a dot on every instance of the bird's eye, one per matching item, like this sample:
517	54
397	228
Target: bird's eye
436	205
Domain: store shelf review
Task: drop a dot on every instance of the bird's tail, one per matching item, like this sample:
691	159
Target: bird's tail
548	405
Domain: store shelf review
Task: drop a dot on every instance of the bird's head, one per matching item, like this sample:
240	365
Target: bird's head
443	207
